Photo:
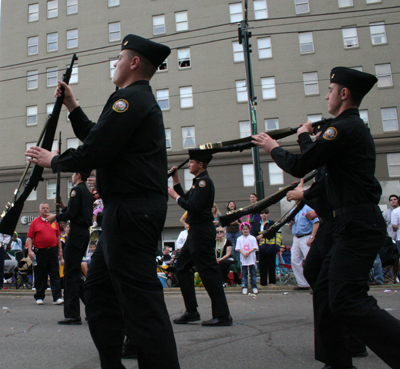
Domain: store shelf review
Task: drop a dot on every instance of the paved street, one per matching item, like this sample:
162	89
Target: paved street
274	331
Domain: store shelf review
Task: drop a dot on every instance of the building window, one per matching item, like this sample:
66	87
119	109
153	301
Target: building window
248	175
52	9
260	9
49	109
238	55
72	7
390	121
52	42
244	129
311	83
183	58
112	67
158	24
275	174
74	75
51	188
345	3
32	196
393	161
52	76
350	37
378	33
271	124
163	99
241	91
364	116
268	88
384	74
31	115
264	48
33	45
168	144
33	12
112	3
236	12
188	137
114	31
306	42
181	21
72	38
28	145
32	79
188	179
373	1
163	66
302	6
186	97
72	143
314	117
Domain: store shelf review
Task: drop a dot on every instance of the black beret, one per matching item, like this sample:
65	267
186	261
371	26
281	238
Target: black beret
200	155
354	79
153	51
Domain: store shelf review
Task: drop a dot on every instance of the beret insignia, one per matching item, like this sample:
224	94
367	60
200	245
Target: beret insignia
330	133
73	193
202	183
121	106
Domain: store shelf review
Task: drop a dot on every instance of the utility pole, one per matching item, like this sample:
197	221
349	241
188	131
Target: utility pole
244	36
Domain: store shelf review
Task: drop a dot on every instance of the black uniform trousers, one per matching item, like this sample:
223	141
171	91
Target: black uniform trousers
199	251
75	249
341	289
122	291
267	266
47	265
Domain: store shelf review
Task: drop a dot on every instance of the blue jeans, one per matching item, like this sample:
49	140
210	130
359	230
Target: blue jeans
378	276
233	236
253	276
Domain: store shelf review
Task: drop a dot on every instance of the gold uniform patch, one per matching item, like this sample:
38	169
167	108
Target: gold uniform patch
330	133
202	183
121	106
73	193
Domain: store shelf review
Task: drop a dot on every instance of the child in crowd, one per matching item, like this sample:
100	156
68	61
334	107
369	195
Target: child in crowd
97	207
247	246
86	260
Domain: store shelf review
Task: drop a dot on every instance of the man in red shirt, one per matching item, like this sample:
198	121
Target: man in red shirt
44	238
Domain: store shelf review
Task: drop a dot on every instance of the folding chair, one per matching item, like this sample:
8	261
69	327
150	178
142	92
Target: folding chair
286	275
389	255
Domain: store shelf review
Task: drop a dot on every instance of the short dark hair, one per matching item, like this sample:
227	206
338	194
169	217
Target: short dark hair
254	194
266	211
227	205
199	161
84	176
147	67
397	197
355	97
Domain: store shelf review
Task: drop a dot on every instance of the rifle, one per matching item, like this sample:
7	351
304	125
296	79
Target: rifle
10	216
58	185
171	172
245	143
260	205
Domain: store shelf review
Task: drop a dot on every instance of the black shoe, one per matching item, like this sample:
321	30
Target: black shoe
71	321
187	318
218	322
129	350
301	288
360	354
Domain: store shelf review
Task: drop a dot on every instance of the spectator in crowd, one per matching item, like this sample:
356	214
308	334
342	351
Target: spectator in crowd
254	219
166	255
247	246
44	243
87	259
16	242
181	238
223	253
97	207
395	221
216	213
183	220
267	252
304	231
232	230
387	215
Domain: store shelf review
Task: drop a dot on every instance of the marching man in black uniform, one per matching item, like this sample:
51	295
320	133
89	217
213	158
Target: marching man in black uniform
199	248
79	213
347	150
127	147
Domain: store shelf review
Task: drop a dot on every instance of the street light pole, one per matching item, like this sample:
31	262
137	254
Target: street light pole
244	36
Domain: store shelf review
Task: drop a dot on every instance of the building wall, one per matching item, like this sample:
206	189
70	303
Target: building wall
213	74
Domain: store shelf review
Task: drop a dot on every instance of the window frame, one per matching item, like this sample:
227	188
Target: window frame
395	119
186	136
52	9
32	76
275	172
36	46
264	50
182	25
375	26
32	12
310	82
159	98
69	38
248	175
72	4
270	120
168	137
264	10
381	75
31	114
302	42
267	87
111	32
241	91
299	5
48	76
186	98
354	36
233	16
183	59
50	42
159	25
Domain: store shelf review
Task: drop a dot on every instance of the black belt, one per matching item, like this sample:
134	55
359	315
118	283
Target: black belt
44	248
302	235
356	209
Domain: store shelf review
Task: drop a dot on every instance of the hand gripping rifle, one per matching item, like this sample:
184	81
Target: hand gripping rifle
9	217
171	172
260	205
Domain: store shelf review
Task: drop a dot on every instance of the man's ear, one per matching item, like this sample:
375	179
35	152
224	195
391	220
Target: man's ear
345	93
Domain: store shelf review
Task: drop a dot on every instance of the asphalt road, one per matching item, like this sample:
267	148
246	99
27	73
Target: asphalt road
274	331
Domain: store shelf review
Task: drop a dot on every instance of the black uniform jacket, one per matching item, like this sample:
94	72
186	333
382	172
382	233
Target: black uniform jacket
80	206
347	150
126	146
199	200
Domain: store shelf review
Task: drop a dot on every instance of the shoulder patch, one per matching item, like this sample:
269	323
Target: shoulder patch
121	106
202	183
330	133
73	193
